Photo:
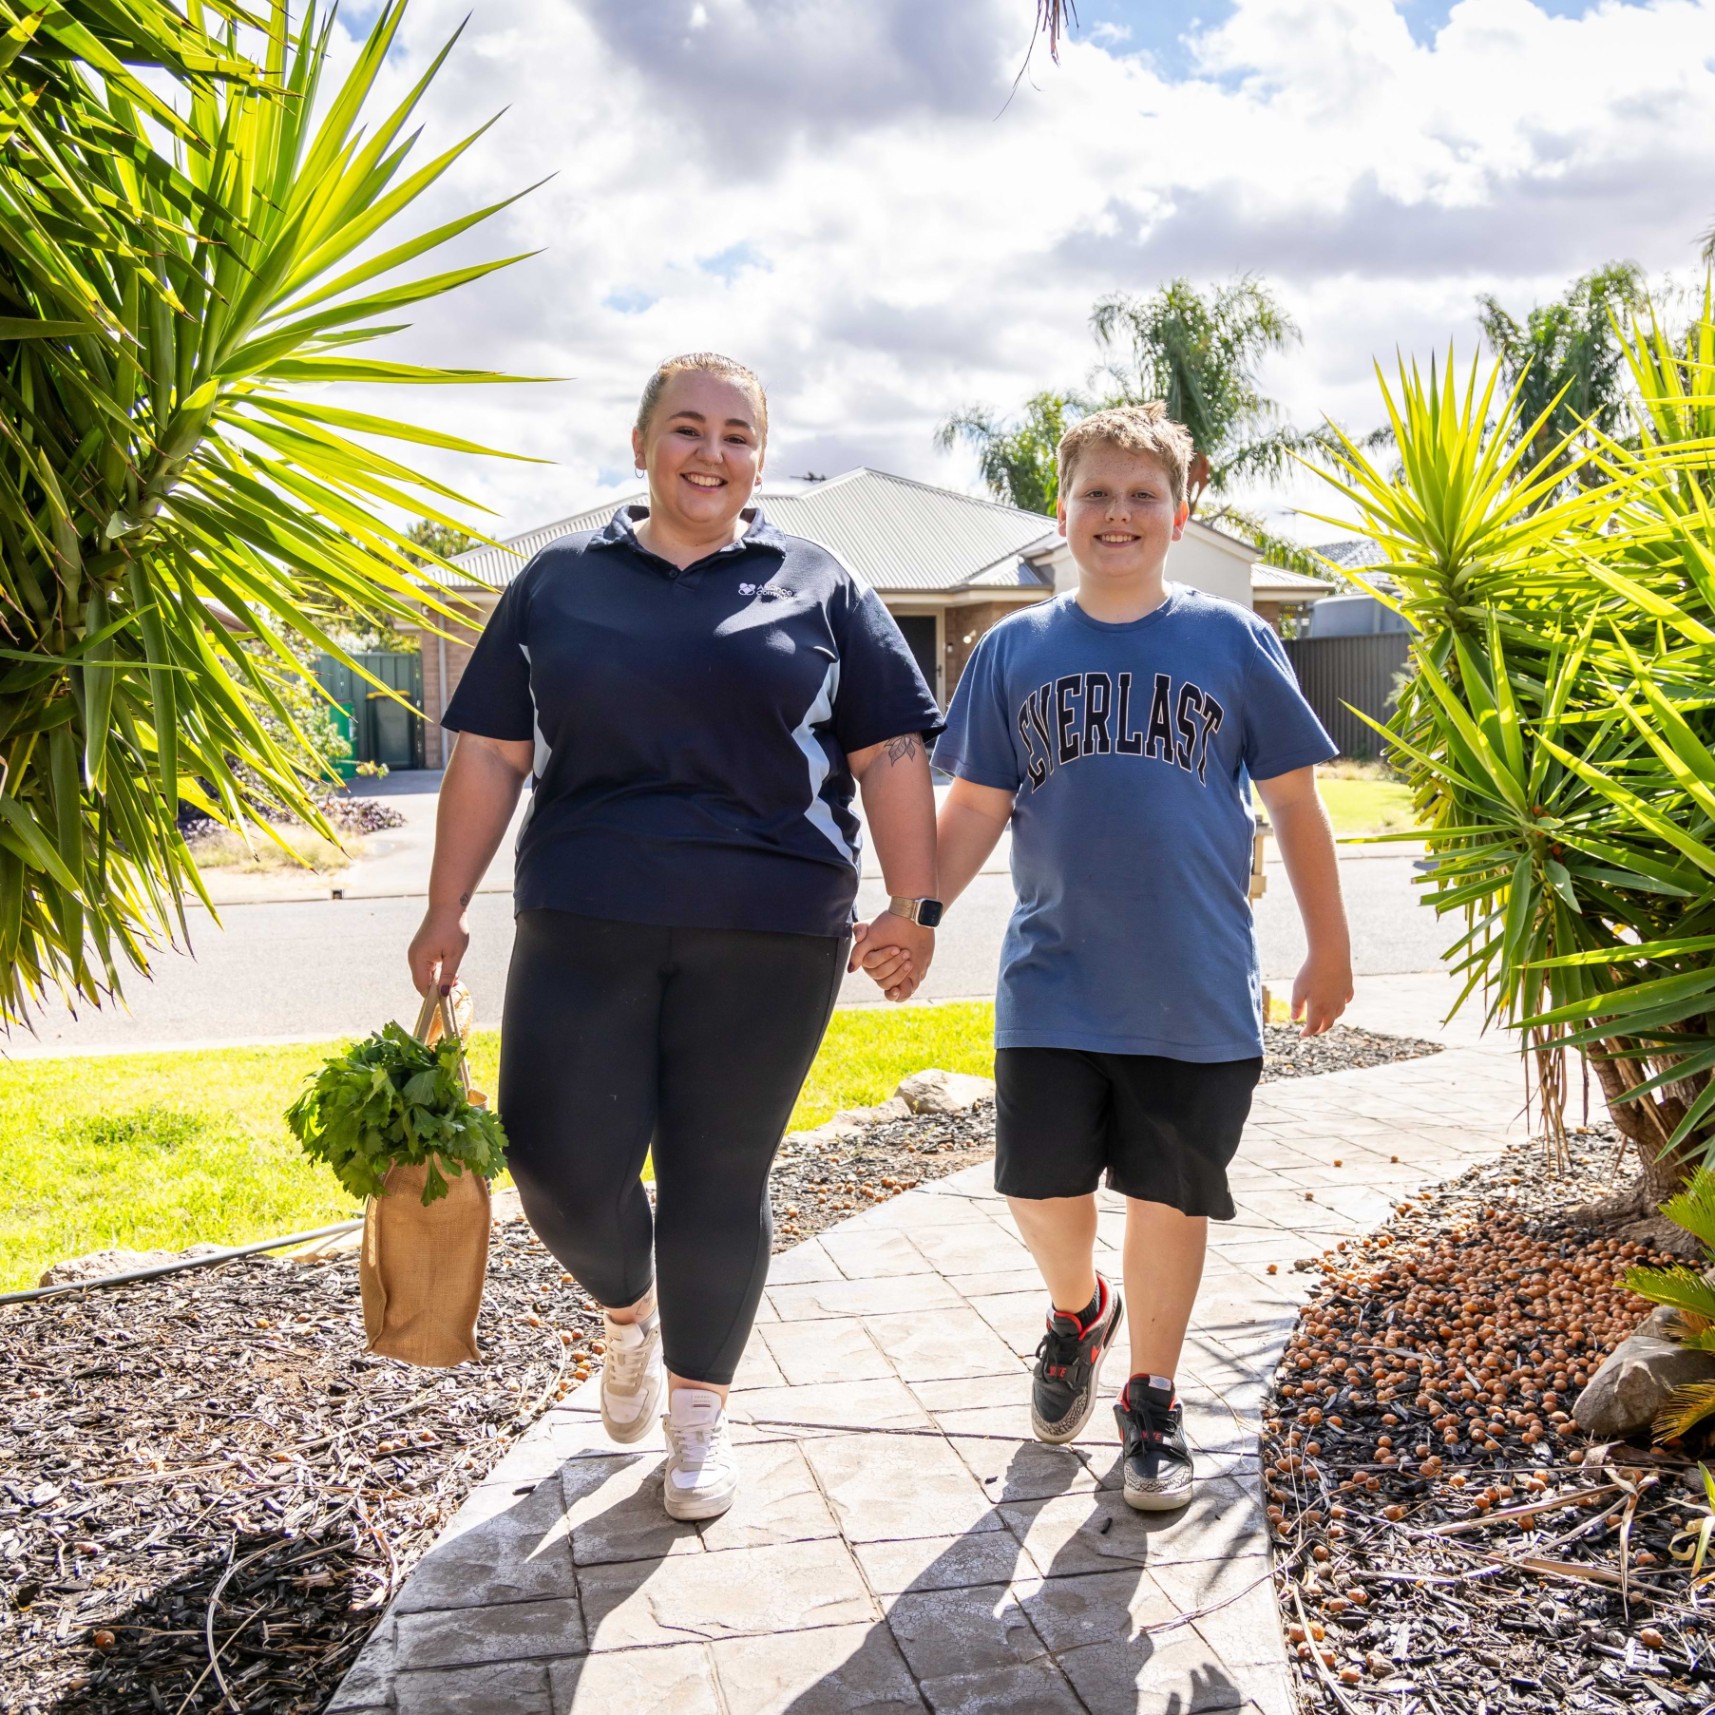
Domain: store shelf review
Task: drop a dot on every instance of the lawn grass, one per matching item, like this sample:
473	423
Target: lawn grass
1364	798
158	1151
289	849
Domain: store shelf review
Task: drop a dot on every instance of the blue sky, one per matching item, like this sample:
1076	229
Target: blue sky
1161	27
841	193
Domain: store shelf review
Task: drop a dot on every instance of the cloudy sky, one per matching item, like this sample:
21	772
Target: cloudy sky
841	193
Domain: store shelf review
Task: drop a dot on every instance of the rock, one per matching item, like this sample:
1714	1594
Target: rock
325	1250
1663	1323
1625	1394
881	1114
99	1264
938	1092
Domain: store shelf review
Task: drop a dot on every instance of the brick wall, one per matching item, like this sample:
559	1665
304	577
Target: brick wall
461	640
963	630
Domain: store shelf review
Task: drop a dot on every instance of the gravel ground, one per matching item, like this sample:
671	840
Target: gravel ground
1446	1539
1287	1053
209	1492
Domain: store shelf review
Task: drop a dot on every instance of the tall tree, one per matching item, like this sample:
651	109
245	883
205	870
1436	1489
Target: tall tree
1018	460
1199	356
180	253
1568	350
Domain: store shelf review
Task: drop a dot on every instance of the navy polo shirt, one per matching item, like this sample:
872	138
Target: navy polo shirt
692	727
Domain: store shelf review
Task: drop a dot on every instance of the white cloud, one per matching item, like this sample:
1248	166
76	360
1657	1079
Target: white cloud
835	194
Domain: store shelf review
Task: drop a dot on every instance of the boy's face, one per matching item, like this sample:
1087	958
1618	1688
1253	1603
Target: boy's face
1119	515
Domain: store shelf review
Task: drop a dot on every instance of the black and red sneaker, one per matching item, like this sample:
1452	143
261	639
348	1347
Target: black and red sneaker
1069	1367
1157	1461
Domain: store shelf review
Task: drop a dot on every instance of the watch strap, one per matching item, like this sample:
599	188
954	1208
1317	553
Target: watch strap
924	911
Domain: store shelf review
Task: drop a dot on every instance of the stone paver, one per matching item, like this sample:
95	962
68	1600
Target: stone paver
900	1542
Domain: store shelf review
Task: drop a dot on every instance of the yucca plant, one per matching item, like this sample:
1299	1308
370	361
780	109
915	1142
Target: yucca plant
1557	724
1691	1296
180	521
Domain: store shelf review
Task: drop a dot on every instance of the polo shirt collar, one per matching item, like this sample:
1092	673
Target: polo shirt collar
621	532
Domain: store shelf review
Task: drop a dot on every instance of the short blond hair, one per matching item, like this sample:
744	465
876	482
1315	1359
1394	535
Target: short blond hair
703	363
1145	429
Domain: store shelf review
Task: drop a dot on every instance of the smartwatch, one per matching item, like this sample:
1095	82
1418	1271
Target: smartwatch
927	912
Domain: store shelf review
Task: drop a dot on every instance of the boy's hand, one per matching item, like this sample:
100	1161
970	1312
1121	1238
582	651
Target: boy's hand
1321	991
895	953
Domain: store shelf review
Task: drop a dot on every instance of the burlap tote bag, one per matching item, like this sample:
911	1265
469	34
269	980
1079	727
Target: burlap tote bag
422	1268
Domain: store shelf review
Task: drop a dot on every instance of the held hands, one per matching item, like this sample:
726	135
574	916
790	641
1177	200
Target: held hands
438	948
896	954
1321	991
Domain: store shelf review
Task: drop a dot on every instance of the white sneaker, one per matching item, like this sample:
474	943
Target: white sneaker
632	1376
701	1476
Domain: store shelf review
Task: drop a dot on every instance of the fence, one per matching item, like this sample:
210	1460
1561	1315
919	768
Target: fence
1335	671
379	728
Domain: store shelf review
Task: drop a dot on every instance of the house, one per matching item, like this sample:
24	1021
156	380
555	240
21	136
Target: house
947	566
1285	599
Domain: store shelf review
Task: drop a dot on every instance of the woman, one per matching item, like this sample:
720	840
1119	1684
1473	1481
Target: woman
693	695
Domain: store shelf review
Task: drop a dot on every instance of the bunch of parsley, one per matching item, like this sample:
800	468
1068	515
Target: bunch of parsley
389	1100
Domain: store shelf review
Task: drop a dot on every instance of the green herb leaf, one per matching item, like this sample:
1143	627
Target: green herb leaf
389	1101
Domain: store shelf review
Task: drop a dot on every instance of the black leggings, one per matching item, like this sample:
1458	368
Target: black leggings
621	1035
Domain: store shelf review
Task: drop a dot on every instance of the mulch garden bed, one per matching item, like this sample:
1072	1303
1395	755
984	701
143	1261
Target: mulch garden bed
209	1492
1448	1542
345	814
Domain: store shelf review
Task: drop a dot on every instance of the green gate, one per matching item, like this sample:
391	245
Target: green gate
379	728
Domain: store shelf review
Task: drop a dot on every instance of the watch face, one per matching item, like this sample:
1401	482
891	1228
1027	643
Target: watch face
929	912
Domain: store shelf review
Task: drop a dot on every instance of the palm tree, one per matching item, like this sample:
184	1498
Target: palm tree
1567	361
1199	356
1019	461
183	247
1054	18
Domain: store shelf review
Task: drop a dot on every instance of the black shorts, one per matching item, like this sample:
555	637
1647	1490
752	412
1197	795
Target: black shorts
1164	1130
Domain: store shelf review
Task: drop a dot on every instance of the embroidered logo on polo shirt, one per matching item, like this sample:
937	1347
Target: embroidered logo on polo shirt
768	592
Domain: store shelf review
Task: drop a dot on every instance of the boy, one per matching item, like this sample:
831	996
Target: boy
1113	727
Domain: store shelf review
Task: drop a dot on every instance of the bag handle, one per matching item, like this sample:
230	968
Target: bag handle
434	1002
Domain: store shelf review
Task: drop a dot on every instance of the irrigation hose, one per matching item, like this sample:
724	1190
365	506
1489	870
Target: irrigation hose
207	1260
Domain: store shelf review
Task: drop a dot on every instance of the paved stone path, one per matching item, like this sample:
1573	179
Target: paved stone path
900	1542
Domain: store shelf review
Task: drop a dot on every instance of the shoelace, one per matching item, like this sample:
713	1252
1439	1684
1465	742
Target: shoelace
698	1443
629	1362
1061	1357
1154	1425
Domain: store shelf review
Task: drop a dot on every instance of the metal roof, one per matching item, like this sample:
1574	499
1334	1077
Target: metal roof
897	536
1353	553
1281	582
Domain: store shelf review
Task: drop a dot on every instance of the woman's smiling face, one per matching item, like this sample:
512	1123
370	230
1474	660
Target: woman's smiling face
703	451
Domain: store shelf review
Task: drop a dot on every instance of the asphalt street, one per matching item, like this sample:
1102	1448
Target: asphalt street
312	969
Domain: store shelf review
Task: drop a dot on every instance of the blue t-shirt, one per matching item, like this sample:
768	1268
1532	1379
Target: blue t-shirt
1131	837
692	727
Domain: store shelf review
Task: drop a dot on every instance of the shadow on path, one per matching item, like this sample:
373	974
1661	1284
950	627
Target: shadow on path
1064	1623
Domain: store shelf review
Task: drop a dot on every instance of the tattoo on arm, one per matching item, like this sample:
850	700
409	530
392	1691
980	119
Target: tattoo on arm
902	749
464	899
